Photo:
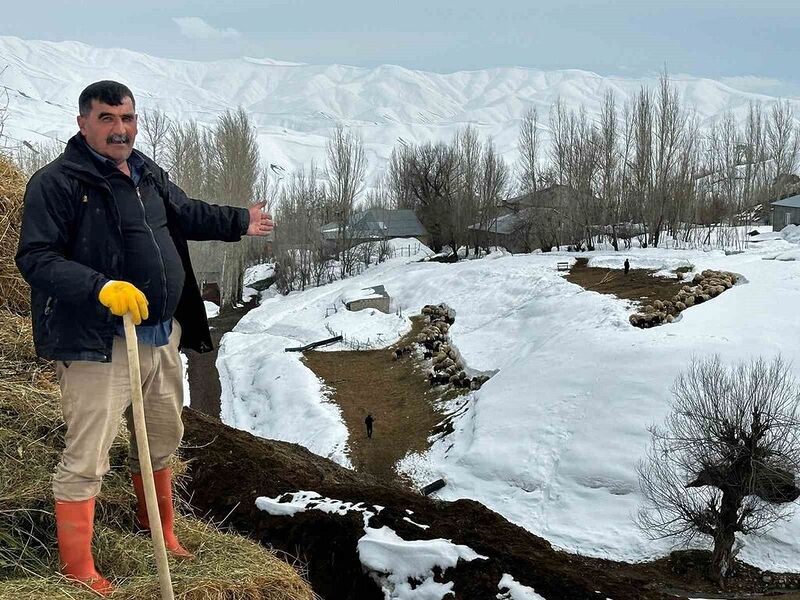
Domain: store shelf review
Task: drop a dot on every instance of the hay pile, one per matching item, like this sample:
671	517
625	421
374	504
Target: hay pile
705	286
31	437
14	294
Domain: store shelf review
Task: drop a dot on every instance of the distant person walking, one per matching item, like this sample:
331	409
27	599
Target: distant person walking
627	266
369	421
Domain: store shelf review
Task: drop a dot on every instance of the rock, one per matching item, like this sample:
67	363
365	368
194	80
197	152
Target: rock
689	301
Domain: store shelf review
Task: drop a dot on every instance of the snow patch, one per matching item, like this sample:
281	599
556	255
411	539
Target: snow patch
403	568
515	591
212	310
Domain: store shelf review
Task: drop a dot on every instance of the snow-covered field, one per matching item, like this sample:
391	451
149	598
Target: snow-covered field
552	440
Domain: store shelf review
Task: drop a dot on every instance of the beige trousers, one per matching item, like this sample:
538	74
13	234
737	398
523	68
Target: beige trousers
94	397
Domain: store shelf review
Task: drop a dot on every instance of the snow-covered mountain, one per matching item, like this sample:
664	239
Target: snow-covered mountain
294	106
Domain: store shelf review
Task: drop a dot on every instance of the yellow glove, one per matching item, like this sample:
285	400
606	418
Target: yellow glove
122	297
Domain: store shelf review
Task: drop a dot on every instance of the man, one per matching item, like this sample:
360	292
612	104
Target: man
104	233
369	421
627	266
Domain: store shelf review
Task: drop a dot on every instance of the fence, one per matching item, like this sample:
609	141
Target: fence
356	344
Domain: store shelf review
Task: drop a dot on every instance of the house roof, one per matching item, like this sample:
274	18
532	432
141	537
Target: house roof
381	223
504	224
549	197
510	221
790	202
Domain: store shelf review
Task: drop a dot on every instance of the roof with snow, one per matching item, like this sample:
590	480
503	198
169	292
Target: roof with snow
790	202
380	223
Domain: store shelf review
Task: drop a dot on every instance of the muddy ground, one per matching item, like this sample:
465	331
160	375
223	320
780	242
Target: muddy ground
394	391
638	285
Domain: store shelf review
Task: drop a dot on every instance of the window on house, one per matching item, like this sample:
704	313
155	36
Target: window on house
788	218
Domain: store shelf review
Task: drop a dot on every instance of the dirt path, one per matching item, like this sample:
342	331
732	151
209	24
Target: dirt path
638	284
204	386
395	392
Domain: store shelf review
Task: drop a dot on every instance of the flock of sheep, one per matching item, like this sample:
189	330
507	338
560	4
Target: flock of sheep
448	367
705	286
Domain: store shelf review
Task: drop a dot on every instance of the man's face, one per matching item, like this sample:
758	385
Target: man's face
110	130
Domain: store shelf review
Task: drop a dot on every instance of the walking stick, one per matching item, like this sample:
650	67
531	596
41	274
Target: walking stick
156	532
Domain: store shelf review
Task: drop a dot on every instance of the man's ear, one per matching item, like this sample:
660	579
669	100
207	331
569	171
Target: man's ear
81	122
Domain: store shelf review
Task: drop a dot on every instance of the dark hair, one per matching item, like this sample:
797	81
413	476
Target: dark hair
107	92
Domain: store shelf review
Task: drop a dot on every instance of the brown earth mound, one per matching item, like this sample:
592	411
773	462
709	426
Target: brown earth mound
231	468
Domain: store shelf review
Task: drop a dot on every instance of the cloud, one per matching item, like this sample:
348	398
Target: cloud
196	28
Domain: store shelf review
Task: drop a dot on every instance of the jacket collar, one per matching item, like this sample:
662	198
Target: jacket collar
78	160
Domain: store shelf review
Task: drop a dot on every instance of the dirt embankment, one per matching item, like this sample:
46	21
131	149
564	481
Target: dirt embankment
231	468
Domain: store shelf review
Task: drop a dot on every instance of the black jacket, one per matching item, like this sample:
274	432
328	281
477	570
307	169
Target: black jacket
71	245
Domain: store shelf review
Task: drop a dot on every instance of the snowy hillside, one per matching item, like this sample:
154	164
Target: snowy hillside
294	106
552	440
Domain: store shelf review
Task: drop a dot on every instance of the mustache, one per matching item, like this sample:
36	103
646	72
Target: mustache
118	139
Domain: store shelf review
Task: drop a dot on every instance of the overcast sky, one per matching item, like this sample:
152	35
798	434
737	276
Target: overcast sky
754	42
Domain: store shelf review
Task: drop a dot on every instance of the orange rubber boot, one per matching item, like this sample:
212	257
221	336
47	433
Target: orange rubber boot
74	529
163	481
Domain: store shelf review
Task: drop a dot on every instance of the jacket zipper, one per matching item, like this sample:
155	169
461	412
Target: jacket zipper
160	257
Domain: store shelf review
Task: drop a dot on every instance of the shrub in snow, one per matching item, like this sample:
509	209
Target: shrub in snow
725	460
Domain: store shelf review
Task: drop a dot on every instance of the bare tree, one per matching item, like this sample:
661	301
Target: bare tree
493	189
432	173
264	189
528	168
30	157
301	257
236	172
464	206
398	178
188	149
783	146
345	171
726	459
156	127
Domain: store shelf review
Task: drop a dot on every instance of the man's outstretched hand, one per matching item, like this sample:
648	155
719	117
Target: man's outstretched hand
260	222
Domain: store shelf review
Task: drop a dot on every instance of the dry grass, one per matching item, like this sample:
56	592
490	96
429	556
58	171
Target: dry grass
228	567
14	294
